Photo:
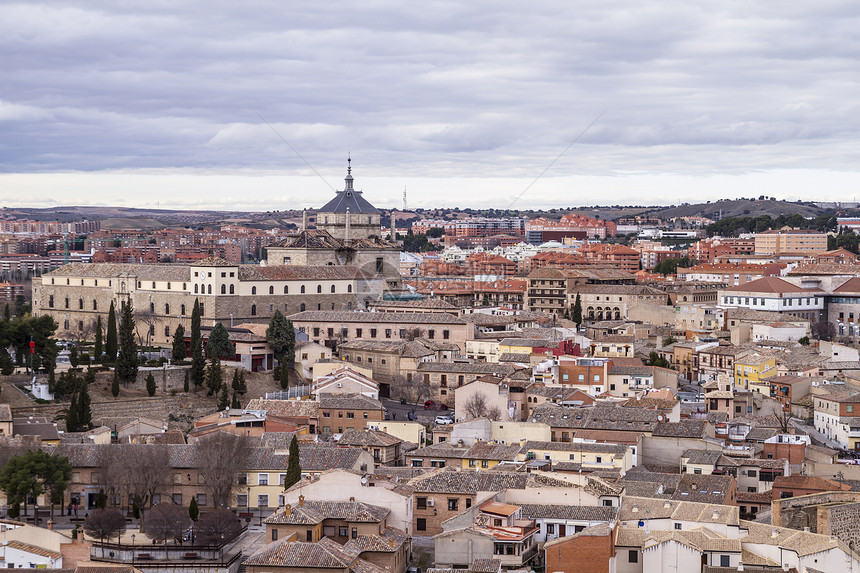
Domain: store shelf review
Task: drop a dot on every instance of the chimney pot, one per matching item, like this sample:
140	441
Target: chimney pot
301	501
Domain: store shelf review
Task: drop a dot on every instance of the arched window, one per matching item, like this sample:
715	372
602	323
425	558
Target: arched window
223	289
348	288
182	310
153	284
302	307
232	289
286	289
195	288
332	288
253	310
67	303
349	306
166	331
95	304
210	289
303	289
151	307
253	290
81	304
167	308
271	290
319	289
319	306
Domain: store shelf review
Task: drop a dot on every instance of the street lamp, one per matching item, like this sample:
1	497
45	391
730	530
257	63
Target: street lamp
132	550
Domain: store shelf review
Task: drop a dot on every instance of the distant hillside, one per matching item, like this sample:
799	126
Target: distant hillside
739	208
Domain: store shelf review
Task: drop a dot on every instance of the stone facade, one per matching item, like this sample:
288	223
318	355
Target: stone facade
163	295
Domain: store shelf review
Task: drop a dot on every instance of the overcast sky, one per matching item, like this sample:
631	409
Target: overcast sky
463	103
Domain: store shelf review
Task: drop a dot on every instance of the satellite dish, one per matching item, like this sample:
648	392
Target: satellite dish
660	417
364	480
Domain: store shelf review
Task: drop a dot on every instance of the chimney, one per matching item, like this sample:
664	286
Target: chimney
806	529
288	509
774	532
741	566
352	498
50	525
715	515
301	501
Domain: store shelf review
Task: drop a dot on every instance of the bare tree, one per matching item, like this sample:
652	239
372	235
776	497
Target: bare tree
476	406
217	526
221	456
823	330
136	470
167	521
104	524
412	392
494	413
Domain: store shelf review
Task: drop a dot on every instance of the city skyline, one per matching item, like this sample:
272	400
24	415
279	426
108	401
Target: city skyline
183	106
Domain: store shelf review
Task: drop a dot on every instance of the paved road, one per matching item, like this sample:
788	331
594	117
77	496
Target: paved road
399	412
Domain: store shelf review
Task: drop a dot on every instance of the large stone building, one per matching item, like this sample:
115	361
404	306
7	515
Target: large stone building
347	233
163	295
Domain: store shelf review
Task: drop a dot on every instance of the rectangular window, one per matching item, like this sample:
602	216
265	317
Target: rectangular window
421	524
358	332
632	556
342	531
201	499
421	502
724	561
242	500
274	534
550	528
452	503
263	479
263	500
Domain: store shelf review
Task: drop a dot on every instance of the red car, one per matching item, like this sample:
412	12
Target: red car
431	405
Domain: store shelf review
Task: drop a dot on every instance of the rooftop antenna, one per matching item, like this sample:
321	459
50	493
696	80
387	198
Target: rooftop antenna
404	197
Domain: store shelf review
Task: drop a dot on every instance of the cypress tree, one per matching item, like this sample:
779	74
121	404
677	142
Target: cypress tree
72	416
214	379
193	509
185	384
294	467
114	386
150	384
7	314
198	362
243	388
179	350
85	415
98	346
127	361
236	403
111	339
235	383
285	376
576	316
223	398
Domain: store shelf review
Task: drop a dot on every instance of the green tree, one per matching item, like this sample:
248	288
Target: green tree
577	310
127	361
97	350
179	350
7	367
294	467
72	424
114	386
198	362
238	384
223	397
7	314
804	340
214	377
150	384
34	473
284	380
73	356
219	343
85	415
111	341
235	403
193	509
281	336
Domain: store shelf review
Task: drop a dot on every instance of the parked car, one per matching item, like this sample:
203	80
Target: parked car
431	405
444	420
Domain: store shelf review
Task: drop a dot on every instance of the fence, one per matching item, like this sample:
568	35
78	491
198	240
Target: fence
289	393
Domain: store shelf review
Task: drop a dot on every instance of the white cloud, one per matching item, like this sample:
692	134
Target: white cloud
454	92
